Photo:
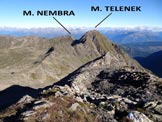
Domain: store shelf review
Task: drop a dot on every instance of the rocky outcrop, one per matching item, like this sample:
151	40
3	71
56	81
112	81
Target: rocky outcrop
25	99
36	106
154	110
136	116
83	77
118	85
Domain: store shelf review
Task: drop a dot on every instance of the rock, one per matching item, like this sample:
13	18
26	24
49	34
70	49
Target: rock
158	108
136	116
60	113
104	116
156	118
74	106
45	116
42	104
44	91
122	106
79	99
25	115
28	113
128	101
58	94
84	97
68	89
155	110
149	105
26	99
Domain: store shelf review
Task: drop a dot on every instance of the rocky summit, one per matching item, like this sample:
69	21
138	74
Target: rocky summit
111	87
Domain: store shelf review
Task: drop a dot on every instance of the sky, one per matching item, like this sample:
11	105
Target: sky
11	13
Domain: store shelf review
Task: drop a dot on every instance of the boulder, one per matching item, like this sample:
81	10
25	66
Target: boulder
26	99
42	104
74	106
136	116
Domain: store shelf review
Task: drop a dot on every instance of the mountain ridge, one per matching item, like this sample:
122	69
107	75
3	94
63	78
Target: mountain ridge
109	87
19	56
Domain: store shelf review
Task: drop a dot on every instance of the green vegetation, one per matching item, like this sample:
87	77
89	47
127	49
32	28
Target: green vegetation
50	92
62	111
33	76
142	110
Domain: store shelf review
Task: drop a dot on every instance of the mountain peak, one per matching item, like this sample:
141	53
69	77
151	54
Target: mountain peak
96	40
93	32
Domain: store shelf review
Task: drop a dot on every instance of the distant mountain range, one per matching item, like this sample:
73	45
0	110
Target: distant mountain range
139	41
119	35
42	32
142	49
127	37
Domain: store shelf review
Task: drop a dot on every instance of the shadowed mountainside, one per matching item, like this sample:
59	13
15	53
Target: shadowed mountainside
14	93
152	62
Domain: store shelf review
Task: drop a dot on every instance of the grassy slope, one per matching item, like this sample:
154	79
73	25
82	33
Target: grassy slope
18	55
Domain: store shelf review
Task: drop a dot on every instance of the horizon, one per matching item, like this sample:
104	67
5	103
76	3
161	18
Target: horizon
78	32
80	27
